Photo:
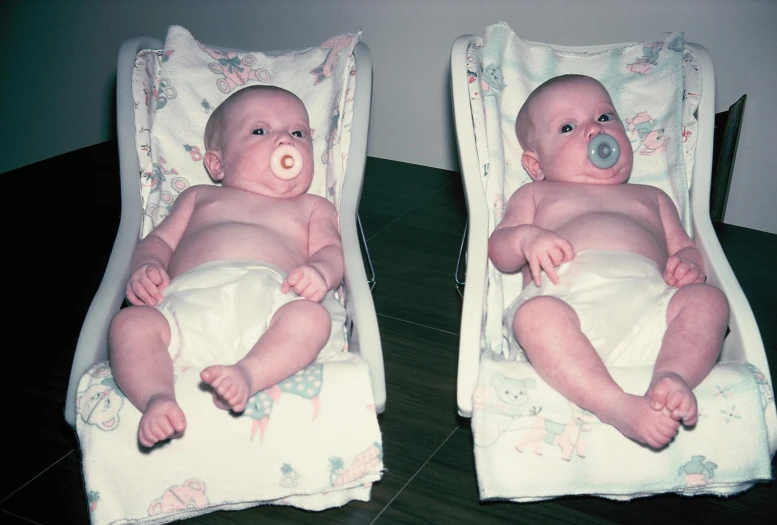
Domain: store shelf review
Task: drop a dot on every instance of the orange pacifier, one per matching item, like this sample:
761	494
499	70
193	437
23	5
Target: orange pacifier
286	162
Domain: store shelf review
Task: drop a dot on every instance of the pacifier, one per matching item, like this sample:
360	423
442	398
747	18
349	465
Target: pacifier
603	151
286	162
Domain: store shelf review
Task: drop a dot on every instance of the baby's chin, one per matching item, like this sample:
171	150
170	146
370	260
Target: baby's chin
281	192
618	175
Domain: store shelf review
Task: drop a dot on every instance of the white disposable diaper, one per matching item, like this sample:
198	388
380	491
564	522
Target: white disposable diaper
620	299
218	310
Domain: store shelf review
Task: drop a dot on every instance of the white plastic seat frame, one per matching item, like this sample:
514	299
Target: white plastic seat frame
742	344
363	334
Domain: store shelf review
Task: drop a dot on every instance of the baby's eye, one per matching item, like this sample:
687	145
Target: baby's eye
566	128
297	134
604	118
259	131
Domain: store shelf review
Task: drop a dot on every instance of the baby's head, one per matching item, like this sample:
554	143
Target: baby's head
556	124
259	140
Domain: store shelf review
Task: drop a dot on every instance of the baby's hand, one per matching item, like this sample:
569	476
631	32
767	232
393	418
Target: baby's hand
545	250
680	272
146	284
307	282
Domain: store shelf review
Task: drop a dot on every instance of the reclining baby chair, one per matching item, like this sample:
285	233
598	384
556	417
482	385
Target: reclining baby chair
530	443
313	440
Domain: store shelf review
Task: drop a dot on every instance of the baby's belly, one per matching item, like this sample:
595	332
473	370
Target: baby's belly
245	242
612	231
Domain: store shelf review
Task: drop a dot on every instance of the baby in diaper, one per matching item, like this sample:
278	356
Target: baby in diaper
610	278
238	278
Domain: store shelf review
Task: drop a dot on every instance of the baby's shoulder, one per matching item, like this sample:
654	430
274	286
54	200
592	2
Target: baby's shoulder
526	190
317	202
647	190
200	190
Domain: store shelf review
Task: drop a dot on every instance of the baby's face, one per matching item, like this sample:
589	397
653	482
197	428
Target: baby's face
256	125
566	117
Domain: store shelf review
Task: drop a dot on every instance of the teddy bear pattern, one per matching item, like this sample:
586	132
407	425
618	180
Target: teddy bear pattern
189	495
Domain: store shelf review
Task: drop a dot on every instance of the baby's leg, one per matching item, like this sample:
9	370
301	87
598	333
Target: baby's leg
548	330
697	317
297	333
142	367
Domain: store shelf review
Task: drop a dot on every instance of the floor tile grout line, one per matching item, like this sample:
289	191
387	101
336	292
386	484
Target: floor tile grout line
417	324
432	194
36	476
28	520
414	475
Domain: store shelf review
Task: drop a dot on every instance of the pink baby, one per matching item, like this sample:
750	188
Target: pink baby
589	246
259	222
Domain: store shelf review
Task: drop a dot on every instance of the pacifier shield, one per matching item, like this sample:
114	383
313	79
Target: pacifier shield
603	151
286	162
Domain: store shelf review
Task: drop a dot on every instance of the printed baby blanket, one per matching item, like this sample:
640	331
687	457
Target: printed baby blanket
532	444
312	441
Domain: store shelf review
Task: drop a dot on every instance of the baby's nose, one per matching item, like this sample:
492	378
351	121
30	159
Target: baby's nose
285	138
594	129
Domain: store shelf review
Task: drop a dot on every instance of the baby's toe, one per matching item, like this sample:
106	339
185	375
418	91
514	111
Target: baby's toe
658	395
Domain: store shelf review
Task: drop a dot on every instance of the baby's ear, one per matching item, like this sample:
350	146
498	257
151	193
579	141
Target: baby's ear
532	165
212	162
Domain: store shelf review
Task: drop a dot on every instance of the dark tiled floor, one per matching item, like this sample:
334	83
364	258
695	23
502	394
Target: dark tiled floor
413	218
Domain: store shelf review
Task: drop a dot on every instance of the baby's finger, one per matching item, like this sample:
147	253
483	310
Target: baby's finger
142	294
131	297
681	271
569	252
671	264
550	270
693	276
536	271
158	276
151	291
556	255
303	290
291	281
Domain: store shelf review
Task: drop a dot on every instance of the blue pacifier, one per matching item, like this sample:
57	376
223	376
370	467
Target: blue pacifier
603	151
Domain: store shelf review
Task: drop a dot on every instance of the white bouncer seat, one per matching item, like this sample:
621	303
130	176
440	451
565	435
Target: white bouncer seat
312	441
541	446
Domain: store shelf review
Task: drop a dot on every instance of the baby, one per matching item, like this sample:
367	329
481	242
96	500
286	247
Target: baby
230	256
610	278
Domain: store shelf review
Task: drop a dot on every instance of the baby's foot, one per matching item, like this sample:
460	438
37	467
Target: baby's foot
162	419
635	419
671	394
231	386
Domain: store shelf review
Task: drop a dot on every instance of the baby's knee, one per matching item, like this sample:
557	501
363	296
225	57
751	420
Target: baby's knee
542	311
132	318
310	314
704	297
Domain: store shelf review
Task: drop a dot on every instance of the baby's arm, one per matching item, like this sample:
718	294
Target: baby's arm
685	264
324	268
152	254
517	241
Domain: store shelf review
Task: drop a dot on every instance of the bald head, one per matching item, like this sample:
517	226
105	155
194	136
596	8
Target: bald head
526	121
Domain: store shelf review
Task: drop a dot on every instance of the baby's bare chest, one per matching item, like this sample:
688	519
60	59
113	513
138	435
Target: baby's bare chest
257	213
556	207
